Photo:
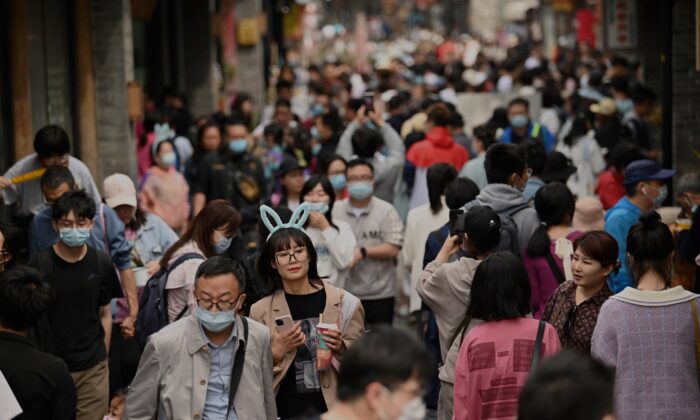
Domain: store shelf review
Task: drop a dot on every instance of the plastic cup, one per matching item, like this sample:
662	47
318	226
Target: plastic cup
323	353
140	276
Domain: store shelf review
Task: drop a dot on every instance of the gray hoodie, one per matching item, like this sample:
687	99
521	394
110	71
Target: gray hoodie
501	197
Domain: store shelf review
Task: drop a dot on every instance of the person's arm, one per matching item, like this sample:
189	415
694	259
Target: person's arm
341	245
106	321
394	144
393	238
198	202
408	249
129	285
268	387
432	281
142	399
64	399
383	251
461	384
344	148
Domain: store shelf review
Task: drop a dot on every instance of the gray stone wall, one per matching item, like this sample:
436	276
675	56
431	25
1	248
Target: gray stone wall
199	57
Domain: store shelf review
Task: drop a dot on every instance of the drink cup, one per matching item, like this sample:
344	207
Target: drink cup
323	353
684	224
140	276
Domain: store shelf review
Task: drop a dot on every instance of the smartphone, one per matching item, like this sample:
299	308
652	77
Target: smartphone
368	97
454	224
284	323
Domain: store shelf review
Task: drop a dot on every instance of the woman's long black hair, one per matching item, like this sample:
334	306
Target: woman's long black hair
439	175
310	184
555	205
286	238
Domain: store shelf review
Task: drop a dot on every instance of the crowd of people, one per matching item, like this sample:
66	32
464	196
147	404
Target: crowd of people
254	267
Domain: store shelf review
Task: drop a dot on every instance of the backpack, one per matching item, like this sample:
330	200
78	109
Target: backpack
509	229
153	307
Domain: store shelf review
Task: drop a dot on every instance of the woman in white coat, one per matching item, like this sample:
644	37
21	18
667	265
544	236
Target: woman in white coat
587	156
333	239
424	219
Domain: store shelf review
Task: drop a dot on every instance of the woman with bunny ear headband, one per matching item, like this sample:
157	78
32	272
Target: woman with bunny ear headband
288	263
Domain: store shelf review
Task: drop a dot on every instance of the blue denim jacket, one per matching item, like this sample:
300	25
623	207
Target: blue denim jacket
42	235
618	222
153	238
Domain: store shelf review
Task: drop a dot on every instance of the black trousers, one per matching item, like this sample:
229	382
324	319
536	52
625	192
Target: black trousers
378	311
124	356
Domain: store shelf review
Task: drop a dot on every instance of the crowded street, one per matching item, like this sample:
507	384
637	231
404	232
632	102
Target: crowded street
349	210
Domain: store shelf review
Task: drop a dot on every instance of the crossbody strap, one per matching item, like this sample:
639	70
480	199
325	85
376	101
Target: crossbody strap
537	352
554	267
238	361
696	327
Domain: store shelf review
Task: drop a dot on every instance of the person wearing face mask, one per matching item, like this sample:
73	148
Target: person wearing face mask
210	233
334	240
379	232
382	378
688	196
163	190
288	262
507	174
224	362
78	324
645	188
522	127
334	167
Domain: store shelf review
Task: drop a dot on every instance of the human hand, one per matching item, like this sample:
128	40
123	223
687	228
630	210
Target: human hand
318	220
356	258
127	326
449	248
283	343
334	341
376	119
5	183
361	116
152	268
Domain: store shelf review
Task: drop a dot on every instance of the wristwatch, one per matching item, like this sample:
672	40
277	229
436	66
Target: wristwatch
363	251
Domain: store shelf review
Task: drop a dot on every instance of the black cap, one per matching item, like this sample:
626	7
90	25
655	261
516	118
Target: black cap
480	223
558	168
288	165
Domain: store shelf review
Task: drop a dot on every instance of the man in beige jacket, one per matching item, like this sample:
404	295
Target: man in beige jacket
186	369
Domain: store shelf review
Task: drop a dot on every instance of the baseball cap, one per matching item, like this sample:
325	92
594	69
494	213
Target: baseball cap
480	223
288	165
605	106
119	190
643	170
558	168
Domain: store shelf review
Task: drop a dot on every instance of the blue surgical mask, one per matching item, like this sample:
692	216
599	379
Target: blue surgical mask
222	245
338	182
360	190
168	159
238	146
519	121
316	149
74	237
215	321
314	133
624	105
319	207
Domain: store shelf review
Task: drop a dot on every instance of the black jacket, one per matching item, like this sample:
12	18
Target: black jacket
40	381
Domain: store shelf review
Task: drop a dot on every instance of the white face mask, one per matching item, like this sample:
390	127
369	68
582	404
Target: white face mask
413	410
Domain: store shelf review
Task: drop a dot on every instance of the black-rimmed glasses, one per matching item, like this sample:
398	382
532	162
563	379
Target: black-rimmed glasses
285	257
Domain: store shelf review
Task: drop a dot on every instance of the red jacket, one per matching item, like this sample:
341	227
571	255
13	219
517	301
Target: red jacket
610	188
438	146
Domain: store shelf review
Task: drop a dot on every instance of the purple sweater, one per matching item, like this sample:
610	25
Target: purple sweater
648	338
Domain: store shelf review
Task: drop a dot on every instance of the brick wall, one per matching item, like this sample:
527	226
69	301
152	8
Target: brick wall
113	67
686	89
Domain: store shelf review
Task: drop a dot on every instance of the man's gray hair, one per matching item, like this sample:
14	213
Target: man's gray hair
689	183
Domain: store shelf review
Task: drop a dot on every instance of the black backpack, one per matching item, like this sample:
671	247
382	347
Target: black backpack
509	229
153	307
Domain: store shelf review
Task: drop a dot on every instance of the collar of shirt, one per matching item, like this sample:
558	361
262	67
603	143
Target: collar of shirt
597	299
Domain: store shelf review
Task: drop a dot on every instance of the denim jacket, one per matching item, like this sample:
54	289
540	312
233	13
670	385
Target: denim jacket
153	238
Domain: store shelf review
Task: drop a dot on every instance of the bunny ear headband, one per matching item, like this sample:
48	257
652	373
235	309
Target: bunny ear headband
297	221
163	132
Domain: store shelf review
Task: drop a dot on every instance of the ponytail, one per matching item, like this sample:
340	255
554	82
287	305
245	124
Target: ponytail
539	242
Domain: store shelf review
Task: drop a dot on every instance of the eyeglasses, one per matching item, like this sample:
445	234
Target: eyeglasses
223	305
285	258
570	317
360	178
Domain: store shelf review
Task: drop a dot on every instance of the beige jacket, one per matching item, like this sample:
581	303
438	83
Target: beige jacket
446	289
351	322
171	381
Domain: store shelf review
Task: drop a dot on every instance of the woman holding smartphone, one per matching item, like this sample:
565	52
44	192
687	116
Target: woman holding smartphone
299	298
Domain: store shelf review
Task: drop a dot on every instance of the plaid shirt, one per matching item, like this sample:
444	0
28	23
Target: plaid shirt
573	323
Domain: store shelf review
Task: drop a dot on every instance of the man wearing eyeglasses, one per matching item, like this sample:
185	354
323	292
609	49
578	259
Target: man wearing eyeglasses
213	364
52	148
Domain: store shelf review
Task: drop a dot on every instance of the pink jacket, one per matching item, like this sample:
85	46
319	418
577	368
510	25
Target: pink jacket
493	364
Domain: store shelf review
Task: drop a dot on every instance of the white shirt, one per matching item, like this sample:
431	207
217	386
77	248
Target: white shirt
335	249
